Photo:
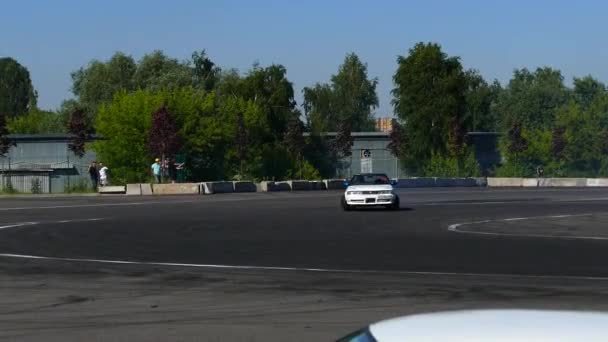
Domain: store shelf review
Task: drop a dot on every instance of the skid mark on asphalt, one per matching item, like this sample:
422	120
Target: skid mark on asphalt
23	224
296	269
453	228
457	228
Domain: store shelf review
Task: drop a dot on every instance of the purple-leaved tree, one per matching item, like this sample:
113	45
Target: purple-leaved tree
164	141
77	127
397	139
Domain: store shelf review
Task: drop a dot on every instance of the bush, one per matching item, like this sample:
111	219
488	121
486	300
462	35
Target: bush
36	186
8	187
440	166
79	186
308	172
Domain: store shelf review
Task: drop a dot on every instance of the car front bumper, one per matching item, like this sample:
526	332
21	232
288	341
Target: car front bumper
370	200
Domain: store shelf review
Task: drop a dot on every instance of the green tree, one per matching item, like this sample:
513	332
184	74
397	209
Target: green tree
295	141
320	154
429	99
229	83
242	138
320	108
125	124
480	99
532	99
586	90
350	96
270	89
37	122
344	139
5	142
156	71
97	83
204	72
355	94
583	135
17	95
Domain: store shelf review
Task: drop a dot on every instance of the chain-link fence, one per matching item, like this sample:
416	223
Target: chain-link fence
368	161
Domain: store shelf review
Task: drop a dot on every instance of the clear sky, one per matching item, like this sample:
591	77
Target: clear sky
311	38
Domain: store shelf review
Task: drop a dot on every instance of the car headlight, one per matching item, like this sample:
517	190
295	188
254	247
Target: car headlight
385	192
354	193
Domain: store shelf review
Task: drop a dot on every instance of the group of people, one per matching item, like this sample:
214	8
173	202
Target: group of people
98	174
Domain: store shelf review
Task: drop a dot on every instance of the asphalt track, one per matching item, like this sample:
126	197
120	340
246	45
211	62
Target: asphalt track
471	237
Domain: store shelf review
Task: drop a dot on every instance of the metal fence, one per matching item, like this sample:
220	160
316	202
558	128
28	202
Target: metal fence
50	176
379	160
39	182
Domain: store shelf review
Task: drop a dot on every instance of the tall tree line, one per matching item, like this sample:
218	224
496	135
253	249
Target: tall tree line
248	123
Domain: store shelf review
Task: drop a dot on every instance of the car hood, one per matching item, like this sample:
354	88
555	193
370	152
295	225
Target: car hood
495	325
371	187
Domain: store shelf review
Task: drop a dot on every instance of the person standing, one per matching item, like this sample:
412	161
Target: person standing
103	174
93	174
156	170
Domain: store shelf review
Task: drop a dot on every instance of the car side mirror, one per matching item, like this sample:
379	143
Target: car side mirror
394	182
346	184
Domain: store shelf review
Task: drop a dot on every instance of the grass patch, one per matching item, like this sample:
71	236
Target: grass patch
79	187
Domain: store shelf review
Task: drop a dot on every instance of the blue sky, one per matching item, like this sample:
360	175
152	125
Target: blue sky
311	38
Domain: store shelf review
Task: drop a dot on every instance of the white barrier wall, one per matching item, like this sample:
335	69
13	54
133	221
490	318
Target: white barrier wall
505	182
134	189
430	182
176	189
597	182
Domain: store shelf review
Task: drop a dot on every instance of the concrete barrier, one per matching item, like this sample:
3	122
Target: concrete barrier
218	187
282	186
244	186
115	189
318	185
597	182
146	189
505	182
429	182
481	181
133	189
265	186
531	182
176	189
416	182
334	184
456	182
564	182
299	185
269	186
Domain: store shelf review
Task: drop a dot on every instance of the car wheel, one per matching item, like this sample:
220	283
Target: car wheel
395	205
345	205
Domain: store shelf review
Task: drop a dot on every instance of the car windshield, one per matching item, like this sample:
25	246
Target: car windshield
363	335
370	179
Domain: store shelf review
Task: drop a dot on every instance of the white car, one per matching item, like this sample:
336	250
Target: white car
489	325
370	189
